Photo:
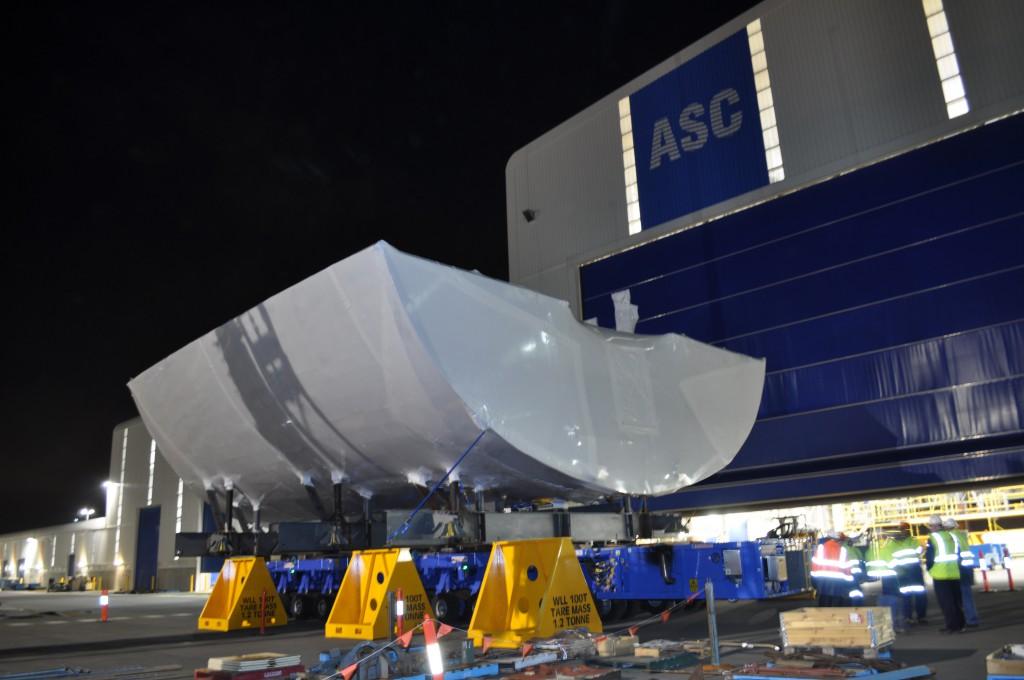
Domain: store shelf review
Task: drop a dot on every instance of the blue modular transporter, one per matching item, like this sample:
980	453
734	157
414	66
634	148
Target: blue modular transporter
653	575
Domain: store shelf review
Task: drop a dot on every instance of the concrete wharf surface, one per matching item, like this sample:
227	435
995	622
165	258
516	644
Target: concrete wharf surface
41	631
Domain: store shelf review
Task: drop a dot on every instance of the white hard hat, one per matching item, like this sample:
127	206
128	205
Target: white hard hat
949	523
935	521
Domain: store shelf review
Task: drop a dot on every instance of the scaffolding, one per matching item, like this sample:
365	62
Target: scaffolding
989	505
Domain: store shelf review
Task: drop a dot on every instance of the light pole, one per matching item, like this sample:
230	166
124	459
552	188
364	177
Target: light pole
86	513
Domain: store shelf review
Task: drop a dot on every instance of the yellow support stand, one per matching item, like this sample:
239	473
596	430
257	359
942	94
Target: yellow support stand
243	591
532	589
361	610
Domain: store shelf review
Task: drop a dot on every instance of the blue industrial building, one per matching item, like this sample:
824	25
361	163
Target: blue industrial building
833	187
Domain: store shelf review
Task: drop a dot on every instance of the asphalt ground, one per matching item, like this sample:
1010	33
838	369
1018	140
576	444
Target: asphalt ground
40	631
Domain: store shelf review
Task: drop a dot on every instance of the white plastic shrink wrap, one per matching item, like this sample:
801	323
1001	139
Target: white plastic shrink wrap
381	370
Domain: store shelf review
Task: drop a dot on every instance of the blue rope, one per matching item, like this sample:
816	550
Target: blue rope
405	525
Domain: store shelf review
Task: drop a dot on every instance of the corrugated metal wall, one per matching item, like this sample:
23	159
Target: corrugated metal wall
592	205
990	50
852	82
848	77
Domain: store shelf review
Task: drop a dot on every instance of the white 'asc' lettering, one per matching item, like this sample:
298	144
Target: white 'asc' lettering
724	122
663	143
718	126
698	131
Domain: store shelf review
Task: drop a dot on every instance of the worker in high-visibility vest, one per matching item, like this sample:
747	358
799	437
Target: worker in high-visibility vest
906	561
831	572
855	560
877	565
943	561
968	562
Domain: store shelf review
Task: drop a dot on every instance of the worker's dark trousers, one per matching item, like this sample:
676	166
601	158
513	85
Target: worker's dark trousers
915	603
833	593
967	596
948	594
892	598
911	575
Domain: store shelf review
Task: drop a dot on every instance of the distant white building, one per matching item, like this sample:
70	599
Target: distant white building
131	547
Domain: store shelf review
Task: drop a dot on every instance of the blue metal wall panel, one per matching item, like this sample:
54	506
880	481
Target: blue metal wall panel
916	420
697	134
981	356
935	169
906	270
821	247
888	304
960	306
146	546
982	466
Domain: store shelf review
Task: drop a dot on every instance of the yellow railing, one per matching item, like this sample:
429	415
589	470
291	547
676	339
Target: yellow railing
987	504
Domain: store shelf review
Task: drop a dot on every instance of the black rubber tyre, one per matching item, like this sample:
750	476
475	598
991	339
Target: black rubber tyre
448	608
323	606
619	609
299	608
604	608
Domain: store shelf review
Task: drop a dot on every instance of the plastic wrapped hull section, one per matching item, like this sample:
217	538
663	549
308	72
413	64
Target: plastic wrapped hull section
383	368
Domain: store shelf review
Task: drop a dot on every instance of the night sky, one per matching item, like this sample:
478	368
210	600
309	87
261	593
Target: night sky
171	166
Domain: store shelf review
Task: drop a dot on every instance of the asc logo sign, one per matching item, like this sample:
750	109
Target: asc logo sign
699	124
694	131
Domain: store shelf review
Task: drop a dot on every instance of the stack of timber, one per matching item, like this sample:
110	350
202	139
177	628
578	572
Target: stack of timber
660	648
617	645
867	629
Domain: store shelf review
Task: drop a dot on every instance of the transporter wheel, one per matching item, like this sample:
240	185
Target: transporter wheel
323	606
615	609
300	607
604	608
286	602
448	608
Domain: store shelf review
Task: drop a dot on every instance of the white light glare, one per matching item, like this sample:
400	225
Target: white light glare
765	103
945	59
629	168
434	658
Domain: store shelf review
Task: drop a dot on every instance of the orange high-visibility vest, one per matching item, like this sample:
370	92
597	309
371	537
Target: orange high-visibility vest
831	561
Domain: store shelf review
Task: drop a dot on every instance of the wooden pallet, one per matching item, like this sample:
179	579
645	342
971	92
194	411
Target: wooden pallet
837	627
882	652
